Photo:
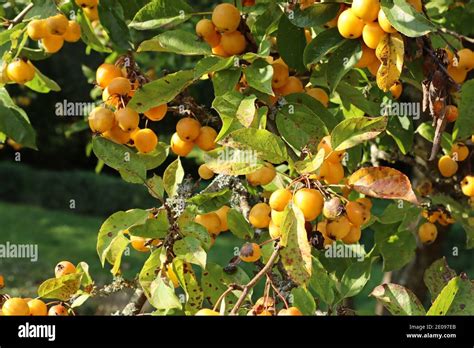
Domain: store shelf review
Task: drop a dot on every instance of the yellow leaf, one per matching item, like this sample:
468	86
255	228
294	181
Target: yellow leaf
390	52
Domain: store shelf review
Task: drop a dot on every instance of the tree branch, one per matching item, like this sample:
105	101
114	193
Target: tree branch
20	16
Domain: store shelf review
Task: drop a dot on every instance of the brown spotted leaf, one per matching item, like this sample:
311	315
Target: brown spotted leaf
456	298
390	52
398	300
60	288
296	252
383	182
437	276
187	280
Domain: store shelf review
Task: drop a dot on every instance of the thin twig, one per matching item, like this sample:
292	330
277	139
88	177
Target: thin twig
20	16
456	35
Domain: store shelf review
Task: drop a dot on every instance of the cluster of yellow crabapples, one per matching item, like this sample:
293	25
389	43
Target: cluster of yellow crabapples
52	32
17	306
120	123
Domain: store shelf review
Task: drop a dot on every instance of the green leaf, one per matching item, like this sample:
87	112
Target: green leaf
212	64
114	251
115	224
266	145
291	42
247	111
315	15
88	34
296	252
356	277
121	158
406	19
83	268
464	126
210	201
113	21
156	157
155	186
398	300
324	43
303	300
42	84
400	128
172	177
299	126
150	270
352	96
356	130
176	41
343	59
437	276
455	298
42	9
321	282
227	105
238	225
14	122
152	228
396	247
188	281
163	295
427	131
224	81
315	107
193	229
228	161
161	14
310	165
189	249
60	288
161	91
259	76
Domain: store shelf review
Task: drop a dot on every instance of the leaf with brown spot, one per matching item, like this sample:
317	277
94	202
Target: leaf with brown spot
60	288
437	276
383	182
390	52
398	300
187	279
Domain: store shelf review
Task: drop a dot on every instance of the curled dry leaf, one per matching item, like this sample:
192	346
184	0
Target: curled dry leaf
390	52
383	182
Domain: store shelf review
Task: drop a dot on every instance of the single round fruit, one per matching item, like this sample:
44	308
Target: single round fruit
331	172
353	236
180	147
293	85
205	28
262	176
37	308
319	94
188	128
427	233
222	213
210	221
278	217
204	172
356	213
372	34
226	18
310	202
145	140
15	307
280	75
368	57
259	215
384	23
92	13
279	199
157	113
52	43
366	202
338	228
64	268
101	119
451	113
457	74
117	135
87	3
447	166
467	186
374	67
206	312
219	51
214	40
290	311
106	73
127	119
466	59
139	244
233	43
206	139
459	152
250	252
330	155
58	310
332	208
349	25
37	29
274	230
20	71
73	32
57	25
119	86
396	90
367	10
